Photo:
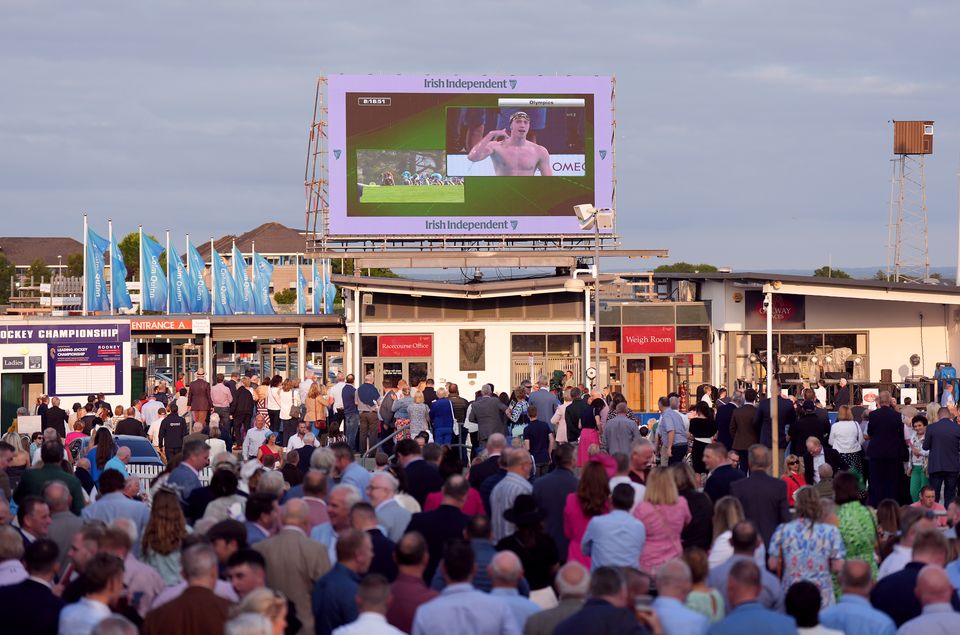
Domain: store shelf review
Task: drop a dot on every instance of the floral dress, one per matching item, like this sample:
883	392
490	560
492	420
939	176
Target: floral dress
858	528
805	550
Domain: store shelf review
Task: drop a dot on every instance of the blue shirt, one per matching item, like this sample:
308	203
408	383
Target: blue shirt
521	607
672	421
936	618
115	505
334	599
853	615
349	398
546	403
750	617
677	619
614	540
357	476
953	572
367	393
462	609
118	465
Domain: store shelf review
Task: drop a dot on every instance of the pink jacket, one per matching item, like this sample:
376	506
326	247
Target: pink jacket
663	524
574	526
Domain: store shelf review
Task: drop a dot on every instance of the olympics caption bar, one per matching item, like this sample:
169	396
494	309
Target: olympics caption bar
466	155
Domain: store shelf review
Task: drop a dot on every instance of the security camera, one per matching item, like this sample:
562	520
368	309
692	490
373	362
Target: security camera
766	304
584	212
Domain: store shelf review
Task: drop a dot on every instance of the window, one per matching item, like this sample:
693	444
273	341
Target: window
528	343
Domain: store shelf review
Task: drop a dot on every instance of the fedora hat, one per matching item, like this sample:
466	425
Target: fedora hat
524	511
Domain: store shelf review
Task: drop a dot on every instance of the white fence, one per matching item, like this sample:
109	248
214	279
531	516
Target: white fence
146	474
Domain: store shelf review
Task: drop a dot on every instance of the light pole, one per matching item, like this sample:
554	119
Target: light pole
590	217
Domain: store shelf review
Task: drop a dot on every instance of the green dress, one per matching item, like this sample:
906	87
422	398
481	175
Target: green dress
858	528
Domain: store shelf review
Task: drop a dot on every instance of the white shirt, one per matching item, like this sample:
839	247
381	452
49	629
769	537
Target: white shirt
80	618
368	624
305	388
150	411
288	400
336	391
216	446
896	561
722	550
846	437
295	443
12	572
818	460
639	491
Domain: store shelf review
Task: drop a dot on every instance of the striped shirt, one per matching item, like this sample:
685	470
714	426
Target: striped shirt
501	499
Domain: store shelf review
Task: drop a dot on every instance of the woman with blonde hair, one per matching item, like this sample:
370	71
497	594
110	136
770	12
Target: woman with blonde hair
807	548
163	536
846	437
793	477
664	513
270	604
727	512
419	413
315	414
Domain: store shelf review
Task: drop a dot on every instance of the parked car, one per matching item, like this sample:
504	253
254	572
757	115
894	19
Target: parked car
142	451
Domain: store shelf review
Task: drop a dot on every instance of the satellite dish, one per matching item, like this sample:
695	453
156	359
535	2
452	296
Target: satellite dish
914	360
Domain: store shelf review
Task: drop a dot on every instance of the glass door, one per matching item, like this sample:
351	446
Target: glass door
417	372
391	373
187	359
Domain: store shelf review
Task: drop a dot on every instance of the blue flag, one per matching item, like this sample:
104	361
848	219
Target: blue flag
199	293
180	287
301	292
118	280
262	273
317	289
153	281
329	290
225	293
95	286
245	302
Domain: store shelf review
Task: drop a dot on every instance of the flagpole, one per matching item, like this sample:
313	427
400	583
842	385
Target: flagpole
143	289
85	290
110	237
213	281
168	272
297	282
253	275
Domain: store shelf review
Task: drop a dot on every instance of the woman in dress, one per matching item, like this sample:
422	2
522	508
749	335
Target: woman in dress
703	598
664	514
918	457
163	536
270	448
590	499
591	428
316	406
401	413
793	477
517	418
703	429
846	437
273	402
419	413
289	410
101	452
858	528
698	532
441	415
807	549
559	417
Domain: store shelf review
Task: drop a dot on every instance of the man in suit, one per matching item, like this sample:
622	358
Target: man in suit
364	518
722	474
130	425
243	406
489	466
263	515
807	425
186	477
198	609
391	516
763	497
31	606
725	416
606	611
817	454
748	615
294	562
943	441
423	478
488	413
550	493
198	398
56	418
63	523
445	522
887	450
743	428
786	416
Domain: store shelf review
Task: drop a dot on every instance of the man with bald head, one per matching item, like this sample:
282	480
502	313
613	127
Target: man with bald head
519	465
573	584
443	523
505	571
294	561
64	523
852	613
129	424
934	592
674	583
491	464
391	516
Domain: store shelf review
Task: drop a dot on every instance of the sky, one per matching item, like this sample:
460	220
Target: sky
753	134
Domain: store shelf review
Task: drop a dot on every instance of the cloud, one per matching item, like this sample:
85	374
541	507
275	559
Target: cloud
850	85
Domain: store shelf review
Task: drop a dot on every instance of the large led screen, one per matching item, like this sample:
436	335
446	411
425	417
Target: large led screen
466	155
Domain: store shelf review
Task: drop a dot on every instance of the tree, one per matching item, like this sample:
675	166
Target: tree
829	272
38	271
286	296
74	266
7	271
345	267
685	267
130	250
880	275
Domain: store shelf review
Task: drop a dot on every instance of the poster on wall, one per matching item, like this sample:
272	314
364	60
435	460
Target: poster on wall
84	369
473	354
789	311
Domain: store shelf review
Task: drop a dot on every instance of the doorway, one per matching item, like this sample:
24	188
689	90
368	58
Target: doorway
279	359
646	379
387	370
187	359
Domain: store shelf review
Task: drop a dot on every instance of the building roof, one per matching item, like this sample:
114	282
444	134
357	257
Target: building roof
485	288
269	238
762	278
23	250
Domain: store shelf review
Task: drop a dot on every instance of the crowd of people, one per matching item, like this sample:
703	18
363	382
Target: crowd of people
291	506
